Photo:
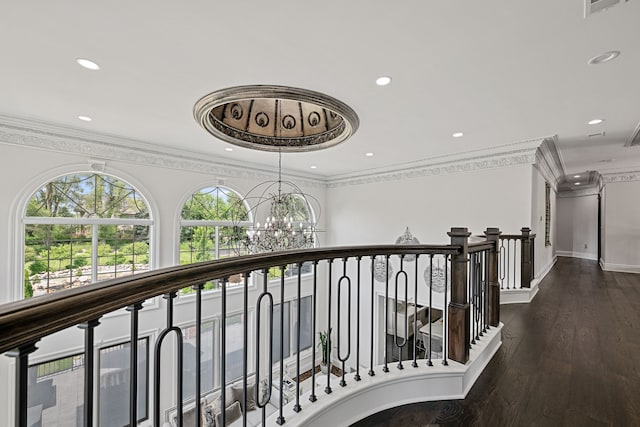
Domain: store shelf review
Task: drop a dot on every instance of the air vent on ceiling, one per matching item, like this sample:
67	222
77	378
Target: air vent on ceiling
593	6
635	138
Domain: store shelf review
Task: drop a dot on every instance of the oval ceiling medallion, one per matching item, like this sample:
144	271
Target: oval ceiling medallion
276	118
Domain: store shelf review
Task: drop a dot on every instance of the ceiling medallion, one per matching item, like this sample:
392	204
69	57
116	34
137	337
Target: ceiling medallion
276	118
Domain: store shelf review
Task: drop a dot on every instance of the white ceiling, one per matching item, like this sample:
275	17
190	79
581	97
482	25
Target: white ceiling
499	71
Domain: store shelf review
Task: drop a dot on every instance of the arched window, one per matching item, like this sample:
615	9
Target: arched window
82	228
209	221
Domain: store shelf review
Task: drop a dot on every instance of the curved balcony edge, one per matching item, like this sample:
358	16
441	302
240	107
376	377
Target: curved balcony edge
358	400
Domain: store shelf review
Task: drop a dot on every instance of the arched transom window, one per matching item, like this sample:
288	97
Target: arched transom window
210	221
82	228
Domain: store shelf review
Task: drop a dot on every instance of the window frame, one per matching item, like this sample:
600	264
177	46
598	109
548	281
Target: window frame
214	224
22	221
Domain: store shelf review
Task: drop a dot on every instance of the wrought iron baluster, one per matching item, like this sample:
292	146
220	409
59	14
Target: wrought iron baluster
508	260
472	300
357	375
223	350
415	316
297	407
134	309
262	403
429	362
198	289
89	364
245	346
344	358
445	330
477	284
21	354
386	313
157	365
501	263
371	324
327	389
406	312
280	420
515	261
313	397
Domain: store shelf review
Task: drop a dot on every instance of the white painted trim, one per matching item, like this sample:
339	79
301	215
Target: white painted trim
622	268
346	405
15	270
519	296
100	147
610	178
488	158
526	295
582	255
547	268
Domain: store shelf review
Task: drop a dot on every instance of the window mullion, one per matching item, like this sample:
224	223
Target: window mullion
94	252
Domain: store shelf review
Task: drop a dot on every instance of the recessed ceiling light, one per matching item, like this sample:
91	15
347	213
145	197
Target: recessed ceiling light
228	149
577	183
314	167
369	154
595	121
576	176
88	64
383	81
457	134
85	118
605	57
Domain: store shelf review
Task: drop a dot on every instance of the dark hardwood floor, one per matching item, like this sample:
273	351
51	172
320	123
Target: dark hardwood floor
570	358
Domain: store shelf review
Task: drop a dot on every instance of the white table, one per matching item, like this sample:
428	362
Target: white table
437	328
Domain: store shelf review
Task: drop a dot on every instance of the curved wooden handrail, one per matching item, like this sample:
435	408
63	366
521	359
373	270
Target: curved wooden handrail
24	322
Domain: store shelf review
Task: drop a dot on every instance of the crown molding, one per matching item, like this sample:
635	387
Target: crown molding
518	153
549	161
593	191
99	147
611	178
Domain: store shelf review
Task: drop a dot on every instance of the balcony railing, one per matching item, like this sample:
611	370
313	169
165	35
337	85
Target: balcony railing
516	268
460	294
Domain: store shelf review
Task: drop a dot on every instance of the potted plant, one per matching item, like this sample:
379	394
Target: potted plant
324	344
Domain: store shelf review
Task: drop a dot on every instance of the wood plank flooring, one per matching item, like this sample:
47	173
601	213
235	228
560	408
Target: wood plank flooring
570	358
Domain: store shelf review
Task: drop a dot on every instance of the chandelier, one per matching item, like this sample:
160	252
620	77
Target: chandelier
283	217
275	215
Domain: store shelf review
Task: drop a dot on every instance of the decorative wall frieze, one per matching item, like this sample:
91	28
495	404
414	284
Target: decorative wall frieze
99	147
106	147
610	178
492	158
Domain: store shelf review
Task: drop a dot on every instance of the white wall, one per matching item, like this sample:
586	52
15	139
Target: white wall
544	255
577	226
622	226
24	170
378	212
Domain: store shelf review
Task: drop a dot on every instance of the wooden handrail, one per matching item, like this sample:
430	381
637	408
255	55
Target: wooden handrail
480	246
515	236
24	322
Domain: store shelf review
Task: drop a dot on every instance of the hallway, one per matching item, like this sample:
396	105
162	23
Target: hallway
571	357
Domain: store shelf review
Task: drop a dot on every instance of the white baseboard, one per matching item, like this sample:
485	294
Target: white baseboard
582	255
519	296
547	268
358	400
621	268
